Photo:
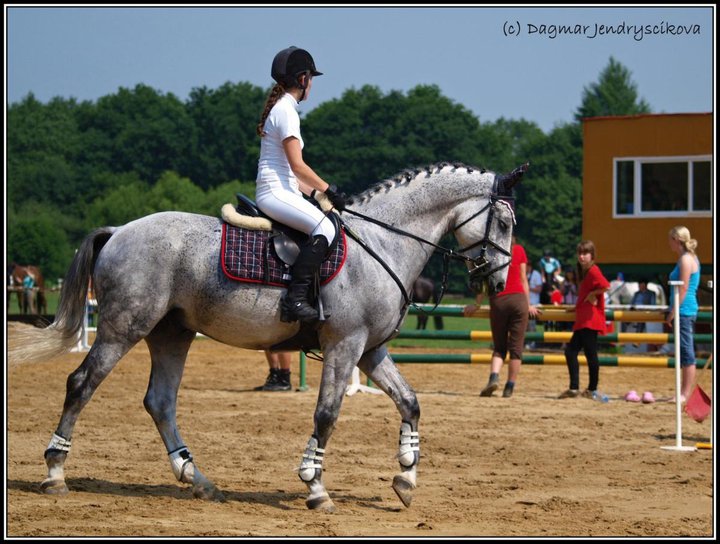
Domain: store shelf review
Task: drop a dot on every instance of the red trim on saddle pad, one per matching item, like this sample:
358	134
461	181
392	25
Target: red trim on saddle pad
245	253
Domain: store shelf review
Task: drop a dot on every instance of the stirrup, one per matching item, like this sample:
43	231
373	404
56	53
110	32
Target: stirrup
298	311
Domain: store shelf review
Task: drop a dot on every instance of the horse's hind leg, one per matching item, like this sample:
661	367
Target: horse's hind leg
169	344
378	365
81	385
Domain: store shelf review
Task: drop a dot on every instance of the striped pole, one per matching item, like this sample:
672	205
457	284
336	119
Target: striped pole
543	359
552	337
556	313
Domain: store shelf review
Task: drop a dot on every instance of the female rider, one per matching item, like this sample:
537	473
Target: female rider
283	176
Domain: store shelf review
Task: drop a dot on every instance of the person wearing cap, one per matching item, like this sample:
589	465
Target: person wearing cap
549	266
283	176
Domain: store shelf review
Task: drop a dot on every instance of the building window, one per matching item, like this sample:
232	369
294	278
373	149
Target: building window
702	186
663	186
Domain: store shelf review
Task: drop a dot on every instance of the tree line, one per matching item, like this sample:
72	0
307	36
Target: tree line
74	166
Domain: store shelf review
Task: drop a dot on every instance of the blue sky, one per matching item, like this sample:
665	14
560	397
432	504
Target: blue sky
498	62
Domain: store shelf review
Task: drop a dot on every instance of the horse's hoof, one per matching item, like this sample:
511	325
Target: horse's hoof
54	487
323	504
208	493
403	489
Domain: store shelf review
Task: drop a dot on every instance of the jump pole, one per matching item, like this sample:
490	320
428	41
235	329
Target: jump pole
678	401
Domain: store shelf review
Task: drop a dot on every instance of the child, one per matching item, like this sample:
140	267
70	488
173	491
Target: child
589	321
556	297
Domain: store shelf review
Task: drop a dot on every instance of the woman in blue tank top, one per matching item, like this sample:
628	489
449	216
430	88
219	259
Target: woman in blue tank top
686	270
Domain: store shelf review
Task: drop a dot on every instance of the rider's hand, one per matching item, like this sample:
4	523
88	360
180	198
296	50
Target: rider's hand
336	198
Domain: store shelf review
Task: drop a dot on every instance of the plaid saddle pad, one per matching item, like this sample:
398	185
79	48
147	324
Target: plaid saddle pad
249	256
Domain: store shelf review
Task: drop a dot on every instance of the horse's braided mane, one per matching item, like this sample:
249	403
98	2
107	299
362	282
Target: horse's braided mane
406	176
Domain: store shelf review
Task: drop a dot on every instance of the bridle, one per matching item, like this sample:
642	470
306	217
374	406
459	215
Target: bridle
480	264
478	267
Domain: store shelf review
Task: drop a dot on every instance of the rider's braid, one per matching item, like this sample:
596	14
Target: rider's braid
275	93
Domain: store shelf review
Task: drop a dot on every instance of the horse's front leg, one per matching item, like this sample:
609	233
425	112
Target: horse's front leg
337	368
378	365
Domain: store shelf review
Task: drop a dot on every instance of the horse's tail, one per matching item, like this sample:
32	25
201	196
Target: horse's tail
32	344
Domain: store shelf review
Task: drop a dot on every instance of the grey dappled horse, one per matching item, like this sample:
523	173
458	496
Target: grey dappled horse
175	257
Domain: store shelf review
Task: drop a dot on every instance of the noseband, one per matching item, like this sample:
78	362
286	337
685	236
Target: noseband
480	264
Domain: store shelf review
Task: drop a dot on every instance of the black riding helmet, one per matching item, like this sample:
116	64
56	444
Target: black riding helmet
290	63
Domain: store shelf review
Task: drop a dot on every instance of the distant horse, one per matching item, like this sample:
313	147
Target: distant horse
622	292
394	228
423	291
28	302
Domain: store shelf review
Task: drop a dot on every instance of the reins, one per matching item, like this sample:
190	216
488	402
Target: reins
448	254
478	264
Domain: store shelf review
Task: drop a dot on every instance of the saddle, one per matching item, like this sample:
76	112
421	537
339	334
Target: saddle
256	249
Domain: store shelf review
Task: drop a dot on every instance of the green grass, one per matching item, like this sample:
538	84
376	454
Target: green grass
52	298
451	323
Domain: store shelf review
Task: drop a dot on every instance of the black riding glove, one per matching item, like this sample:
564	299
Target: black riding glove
337	199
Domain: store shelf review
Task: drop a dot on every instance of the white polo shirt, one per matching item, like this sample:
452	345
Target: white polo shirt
274	170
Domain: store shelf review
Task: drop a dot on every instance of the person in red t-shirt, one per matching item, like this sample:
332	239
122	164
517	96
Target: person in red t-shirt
589	321
556	297
509	311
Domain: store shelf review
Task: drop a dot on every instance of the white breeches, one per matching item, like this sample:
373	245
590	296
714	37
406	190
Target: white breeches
294	211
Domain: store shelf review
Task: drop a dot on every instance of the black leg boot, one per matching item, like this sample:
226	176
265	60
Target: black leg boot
295	306
284	383
271	381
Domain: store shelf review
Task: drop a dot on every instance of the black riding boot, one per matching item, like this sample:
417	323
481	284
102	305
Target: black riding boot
295	306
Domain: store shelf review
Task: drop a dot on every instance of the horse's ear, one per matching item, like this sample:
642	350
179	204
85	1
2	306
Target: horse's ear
507	181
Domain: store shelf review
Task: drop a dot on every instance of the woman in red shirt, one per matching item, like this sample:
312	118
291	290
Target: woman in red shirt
509	311
589	321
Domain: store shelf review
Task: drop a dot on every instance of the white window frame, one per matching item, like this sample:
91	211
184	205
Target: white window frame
637	187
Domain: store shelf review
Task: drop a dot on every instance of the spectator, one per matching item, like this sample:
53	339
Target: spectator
279	377
643	297
509	311
535	285
686	270
589	322
569	295
556	299
550	269
569	288
28	283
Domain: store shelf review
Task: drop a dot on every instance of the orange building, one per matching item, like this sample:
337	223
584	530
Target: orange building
643	175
